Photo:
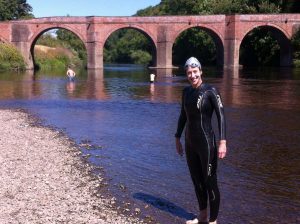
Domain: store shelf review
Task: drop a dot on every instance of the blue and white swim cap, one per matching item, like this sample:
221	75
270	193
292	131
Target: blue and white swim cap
192	62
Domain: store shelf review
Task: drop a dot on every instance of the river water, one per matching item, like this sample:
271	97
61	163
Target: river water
134	123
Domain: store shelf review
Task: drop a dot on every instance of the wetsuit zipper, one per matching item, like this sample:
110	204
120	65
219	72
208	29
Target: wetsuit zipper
199	105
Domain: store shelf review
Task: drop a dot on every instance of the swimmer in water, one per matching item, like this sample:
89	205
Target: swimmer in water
71	74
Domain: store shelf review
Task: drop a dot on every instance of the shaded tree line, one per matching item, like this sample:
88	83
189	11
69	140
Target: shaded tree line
209	7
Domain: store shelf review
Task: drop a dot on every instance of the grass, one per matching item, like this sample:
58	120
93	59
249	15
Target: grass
48	58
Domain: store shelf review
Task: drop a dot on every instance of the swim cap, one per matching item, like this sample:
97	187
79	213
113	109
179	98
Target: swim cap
192	62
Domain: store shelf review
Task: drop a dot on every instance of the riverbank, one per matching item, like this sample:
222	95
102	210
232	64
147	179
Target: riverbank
55	58
44	180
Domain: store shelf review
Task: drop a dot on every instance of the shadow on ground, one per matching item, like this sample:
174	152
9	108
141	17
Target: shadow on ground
164	205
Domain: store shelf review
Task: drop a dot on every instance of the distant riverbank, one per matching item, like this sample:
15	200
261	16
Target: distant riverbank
43	179
45	58
55	58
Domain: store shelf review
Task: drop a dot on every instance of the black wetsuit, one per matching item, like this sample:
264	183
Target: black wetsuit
198	105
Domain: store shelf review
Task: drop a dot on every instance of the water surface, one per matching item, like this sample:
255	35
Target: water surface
134	123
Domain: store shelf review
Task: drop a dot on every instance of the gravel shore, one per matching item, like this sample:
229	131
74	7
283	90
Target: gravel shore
44	180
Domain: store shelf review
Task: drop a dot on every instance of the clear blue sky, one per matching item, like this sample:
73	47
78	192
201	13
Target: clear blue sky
45	8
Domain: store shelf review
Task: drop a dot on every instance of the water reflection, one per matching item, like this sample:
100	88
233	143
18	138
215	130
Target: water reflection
70	86
240	92
16	85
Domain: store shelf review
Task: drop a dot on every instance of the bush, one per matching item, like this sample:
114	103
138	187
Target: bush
296	63
47	58
141	57
296	48
10	58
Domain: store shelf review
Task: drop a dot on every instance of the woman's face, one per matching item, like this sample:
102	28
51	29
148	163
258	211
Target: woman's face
194	76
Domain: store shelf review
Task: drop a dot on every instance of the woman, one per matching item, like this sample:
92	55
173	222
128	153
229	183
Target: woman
199	101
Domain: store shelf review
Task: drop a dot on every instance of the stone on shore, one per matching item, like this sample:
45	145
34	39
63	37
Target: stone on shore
43	179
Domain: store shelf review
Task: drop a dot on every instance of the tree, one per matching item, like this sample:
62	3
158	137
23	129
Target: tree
14	9
296	48
291	6
128	46
71	41
260	48
194	42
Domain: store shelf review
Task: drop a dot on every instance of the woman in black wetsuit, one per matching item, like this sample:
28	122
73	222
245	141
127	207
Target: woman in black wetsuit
199	101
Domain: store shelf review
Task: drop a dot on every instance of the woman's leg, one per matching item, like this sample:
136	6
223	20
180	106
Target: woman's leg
214	197
212	186
195	167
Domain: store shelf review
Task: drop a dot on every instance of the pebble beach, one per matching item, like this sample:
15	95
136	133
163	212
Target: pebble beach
43	178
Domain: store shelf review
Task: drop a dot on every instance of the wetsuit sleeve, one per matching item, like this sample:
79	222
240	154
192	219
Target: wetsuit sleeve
182	119
219	109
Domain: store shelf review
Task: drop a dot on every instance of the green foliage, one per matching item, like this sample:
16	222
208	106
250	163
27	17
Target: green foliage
140	57
48	40
128	46
14	9
69	50
296	48
71	41
203	7
268	7
53	58
187	7
291	6
231	7
10	58
259	48
194	42
296	63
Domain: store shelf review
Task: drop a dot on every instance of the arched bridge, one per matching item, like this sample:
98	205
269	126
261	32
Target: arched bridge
227	32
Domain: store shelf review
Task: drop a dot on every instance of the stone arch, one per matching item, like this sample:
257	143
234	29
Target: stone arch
216	36
271	26
283	38
42	30
146	33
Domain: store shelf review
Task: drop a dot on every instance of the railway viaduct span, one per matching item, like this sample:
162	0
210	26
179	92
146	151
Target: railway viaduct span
162	31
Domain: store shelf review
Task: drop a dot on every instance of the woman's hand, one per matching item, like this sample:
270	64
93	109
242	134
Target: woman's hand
222	149
179	147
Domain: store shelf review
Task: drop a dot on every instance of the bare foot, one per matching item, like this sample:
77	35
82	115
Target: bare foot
193	221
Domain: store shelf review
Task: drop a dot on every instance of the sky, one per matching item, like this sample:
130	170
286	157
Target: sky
46	8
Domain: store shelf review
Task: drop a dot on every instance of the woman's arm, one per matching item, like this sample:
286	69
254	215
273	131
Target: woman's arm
180	127
182	118
219	109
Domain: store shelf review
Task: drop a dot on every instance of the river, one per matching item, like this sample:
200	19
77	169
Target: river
133	124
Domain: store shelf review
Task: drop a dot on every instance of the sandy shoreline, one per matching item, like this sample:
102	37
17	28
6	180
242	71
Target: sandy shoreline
43	179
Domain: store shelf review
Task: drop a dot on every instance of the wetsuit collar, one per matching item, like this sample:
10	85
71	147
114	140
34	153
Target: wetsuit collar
199	86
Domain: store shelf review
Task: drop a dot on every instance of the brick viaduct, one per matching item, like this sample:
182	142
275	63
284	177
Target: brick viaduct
227	32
